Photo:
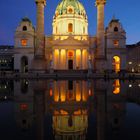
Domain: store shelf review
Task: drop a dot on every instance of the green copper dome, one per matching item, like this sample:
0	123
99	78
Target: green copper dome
70	6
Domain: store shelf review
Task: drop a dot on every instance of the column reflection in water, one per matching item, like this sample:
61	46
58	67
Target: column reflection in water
39	88
24	98
115	107
65	91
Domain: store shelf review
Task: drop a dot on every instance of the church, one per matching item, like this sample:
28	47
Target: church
70	47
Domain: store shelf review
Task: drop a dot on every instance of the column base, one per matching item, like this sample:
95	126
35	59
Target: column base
39	65
100	64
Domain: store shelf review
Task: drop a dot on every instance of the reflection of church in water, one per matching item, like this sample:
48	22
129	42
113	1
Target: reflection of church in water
70	108
70	47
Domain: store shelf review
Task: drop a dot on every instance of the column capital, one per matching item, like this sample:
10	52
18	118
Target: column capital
41	1
100	2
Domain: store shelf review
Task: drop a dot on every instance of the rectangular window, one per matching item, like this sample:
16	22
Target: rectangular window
24	42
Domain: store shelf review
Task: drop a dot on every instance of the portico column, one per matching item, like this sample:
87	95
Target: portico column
66	65
52	63
74	66
59	59
81	59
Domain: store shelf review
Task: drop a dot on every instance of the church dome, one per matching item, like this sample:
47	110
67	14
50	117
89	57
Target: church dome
77	7
70	18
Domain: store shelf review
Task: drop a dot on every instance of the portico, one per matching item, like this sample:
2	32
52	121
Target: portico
70	59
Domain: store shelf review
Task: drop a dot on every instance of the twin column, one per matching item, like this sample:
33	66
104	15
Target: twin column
100	28
40	36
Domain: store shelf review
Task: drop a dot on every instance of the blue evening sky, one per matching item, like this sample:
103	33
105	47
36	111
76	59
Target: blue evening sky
11	12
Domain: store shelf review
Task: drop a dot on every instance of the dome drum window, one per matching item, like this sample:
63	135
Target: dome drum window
70	27
70	10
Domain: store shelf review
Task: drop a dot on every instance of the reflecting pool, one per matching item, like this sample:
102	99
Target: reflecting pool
69	110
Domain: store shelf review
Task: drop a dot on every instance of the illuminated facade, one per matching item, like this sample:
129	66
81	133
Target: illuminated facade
70	47
133	57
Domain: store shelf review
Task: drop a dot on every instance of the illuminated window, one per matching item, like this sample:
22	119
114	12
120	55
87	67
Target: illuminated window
70	27
24	42
116	29
24	28
116	43
70	10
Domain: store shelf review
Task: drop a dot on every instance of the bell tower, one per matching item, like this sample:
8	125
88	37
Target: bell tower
40	37
100	4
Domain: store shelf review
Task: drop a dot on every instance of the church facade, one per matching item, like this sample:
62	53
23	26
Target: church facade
70	47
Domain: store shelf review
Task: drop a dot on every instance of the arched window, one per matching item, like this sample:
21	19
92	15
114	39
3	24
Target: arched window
116	29
70	27
24	28
116	63
70	10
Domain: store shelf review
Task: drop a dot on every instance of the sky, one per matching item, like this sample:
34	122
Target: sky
11	12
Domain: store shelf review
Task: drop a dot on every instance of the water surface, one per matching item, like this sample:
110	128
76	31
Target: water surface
70	110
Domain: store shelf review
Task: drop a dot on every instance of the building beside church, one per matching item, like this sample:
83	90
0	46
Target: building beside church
70	47
133	57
